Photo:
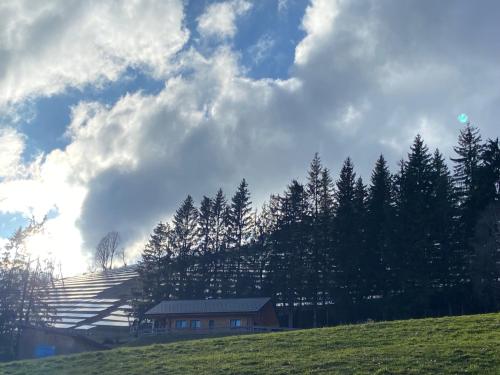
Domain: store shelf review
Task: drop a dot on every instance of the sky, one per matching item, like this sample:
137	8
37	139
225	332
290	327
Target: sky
111	112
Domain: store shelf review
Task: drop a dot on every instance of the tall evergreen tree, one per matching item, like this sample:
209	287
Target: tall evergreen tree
316	257
205	251
485	267
156	270
326	242
184	244
467	181
413	218
345	240
361	284
490	172
445	263
240	220
485	240
466	169
289	248
379	228
220	214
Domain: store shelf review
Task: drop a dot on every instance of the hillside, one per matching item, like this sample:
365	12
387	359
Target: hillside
455	345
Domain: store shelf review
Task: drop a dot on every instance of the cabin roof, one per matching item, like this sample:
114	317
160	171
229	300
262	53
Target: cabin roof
209	306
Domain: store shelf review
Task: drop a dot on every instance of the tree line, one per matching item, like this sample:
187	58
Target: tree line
423	241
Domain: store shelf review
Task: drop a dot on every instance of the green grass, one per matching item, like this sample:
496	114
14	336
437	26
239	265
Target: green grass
456	345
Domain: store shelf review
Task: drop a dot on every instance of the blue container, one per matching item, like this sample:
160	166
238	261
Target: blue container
42	351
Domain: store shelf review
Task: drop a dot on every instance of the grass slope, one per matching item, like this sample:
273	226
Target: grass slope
455	345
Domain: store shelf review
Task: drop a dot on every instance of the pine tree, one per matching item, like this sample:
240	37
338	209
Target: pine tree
289	248
361	285
263	228
485	267
485	242
185	241
326	241
221	227
240	220
156	270
345	267
490	172
205	251
446	264
413	228
467	183
316	257
467	164
380	220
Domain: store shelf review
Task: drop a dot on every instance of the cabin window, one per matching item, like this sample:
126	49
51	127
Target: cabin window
195	324
235	323
181	324
211	324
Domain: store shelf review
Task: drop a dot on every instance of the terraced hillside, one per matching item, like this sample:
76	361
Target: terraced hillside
452	345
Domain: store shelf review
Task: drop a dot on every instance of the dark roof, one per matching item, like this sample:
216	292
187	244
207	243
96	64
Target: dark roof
204	306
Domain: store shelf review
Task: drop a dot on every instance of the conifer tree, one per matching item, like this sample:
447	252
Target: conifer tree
205	247
361	284
289	249
185	241
414	216
240	220
445	265
467	181
345	240
466	169
485	240
263	228
156	270
485	267
316	257
379	230
221	226
326	241
490	172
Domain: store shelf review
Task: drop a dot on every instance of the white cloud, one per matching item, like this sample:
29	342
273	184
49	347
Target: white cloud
219	19
262	49
11	149
47	46
357	88
318	23
282	5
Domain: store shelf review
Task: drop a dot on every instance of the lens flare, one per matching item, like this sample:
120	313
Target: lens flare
463	118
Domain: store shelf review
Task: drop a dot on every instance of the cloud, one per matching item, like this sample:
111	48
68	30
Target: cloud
282	5
11	149
318	23
399	64
262	49
48	46
219	19
367	77
201	132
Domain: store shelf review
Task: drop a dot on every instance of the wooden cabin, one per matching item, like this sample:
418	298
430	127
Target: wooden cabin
214	315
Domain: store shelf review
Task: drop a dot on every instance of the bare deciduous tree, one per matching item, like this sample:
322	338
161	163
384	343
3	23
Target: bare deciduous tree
106	250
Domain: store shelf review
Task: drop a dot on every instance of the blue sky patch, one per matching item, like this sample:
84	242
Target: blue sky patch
46	127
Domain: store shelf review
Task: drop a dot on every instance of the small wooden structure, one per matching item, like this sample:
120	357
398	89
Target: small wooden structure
214	315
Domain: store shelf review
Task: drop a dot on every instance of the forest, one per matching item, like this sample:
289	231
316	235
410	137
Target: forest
423	241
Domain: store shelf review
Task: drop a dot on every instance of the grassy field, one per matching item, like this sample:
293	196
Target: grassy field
459	345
